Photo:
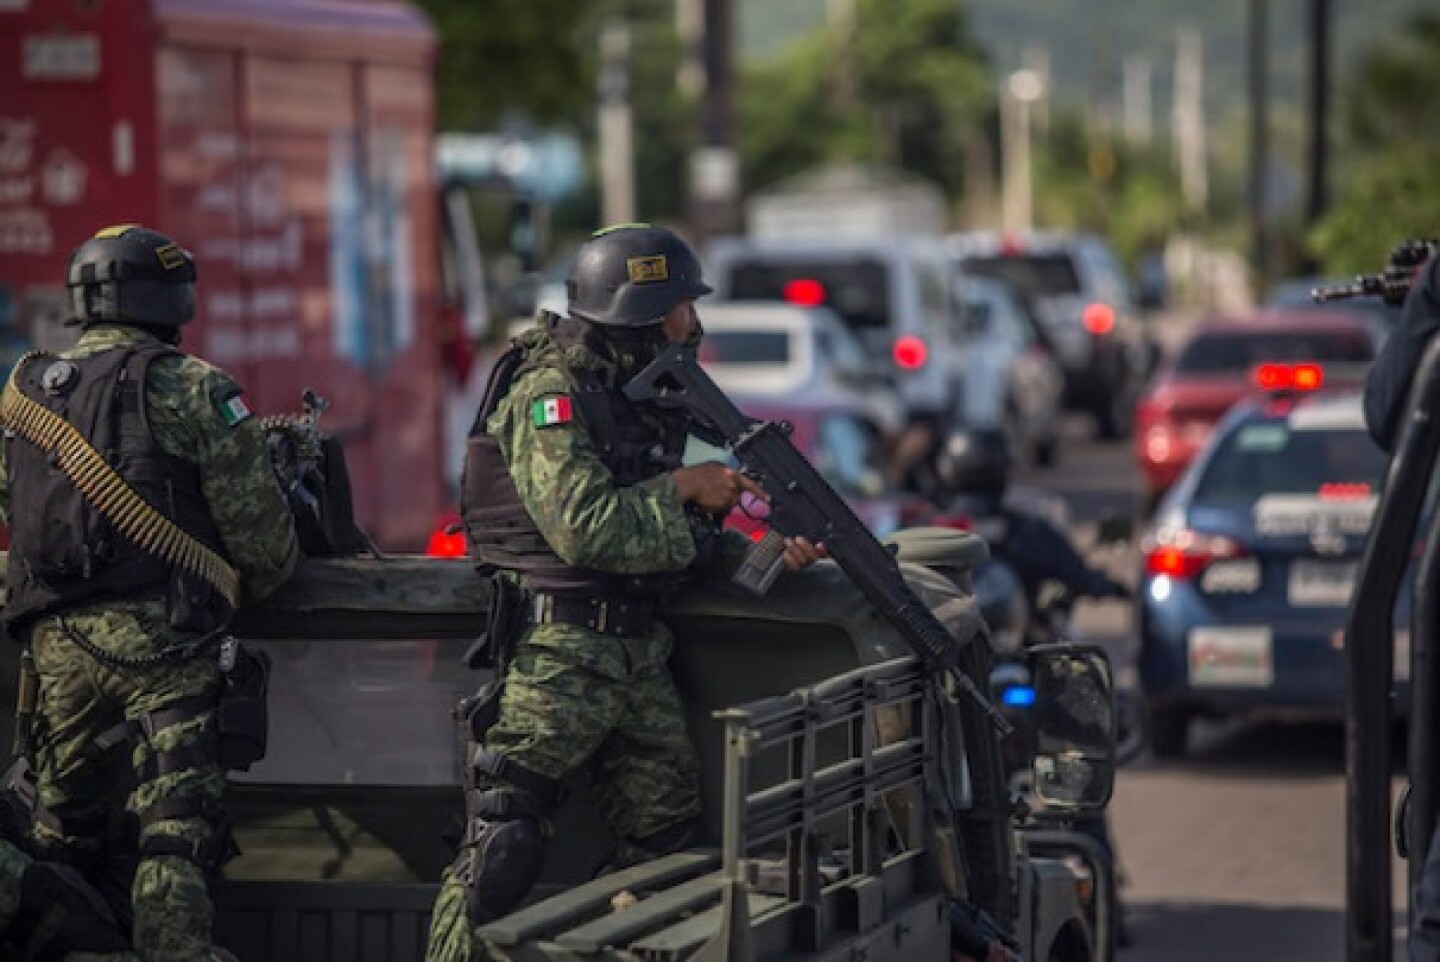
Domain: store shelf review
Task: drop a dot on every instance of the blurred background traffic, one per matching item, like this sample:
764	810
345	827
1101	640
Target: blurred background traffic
994	261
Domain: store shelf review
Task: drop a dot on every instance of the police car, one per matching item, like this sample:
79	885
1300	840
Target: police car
1250	562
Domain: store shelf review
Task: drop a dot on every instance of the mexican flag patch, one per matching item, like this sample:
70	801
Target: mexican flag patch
551	411
235	409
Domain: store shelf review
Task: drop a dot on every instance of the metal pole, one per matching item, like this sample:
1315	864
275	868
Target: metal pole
1259	58
1424	710
617	155
1318	192
1369	650
715	169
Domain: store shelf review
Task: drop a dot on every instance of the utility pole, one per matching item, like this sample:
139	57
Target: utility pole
1317	199
1259	57
1020	90
1037	58
1137	100
690	73
840	21
1188	117
617	153
714	166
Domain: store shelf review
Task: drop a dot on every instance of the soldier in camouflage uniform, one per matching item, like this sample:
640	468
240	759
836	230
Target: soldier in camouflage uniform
578	499
124	643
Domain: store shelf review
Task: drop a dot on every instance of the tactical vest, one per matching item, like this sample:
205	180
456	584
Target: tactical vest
63	551
501	533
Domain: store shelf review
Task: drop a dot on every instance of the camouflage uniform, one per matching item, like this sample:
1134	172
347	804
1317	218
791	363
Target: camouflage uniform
82	697
575	697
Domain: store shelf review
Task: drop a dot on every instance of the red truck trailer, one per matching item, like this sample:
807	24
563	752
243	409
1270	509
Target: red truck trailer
289	144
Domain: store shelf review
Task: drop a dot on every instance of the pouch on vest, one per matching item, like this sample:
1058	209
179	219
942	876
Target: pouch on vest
242	715
502	628
194	604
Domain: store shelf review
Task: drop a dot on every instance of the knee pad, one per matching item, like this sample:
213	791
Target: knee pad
498	864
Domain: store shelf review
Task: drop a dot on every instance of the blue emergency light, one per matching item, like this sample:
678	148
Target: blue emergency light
1018	696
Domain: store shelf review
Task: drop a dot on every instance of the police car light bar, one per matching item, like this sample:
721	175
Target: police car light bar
1289	377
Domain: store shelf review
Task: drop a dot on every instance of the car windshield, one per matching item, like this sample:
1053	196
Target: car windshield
745	347
1268	457
1237	352
1036	275
856	289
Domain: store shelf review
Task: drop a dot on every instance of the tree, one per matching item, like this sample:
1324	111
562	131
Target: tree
906	88
532	58
1391	190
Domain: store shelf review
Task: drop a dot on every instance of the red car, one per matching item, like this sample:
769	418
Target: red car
1229	358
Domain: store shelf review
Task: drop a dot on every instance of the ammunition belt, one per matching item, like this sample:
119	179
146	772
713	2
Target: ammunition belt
99	483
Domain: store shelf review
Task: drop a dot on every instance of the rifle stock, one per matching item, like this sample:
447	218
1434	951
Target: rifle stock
802	504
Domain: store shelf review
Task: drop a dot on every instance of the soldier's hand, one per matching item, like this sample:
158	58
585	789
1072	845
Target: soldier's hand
713	486
800	553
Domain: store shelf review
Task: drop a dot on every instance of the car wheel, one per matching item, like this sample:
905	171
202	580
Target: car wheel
1168	727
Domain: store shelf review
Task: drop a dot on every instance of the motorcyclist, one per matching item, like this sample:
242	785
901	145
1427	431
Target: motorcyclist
973	470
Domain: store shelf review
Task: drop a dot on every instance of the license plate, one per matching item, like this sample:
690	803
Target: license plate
1321	584
1231	658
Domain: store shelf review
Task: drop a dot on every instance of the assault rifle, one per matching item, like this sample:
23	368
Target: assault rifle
310	467
803	505
1391	284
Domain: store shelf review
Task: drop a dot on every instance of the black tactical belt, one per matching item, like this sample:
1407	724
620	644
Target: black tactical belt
608	616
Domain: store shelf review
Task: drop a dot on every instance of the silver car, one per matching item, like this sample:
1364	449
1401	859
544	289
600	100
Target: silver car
1012	382
1081	295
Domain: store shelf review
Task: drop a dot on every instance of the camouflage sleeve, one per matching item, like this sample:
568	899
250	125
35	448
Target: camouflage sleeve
586	517
198	413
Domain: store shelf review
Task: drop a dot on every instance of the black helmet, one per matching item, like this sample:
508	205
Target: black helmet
131	275
632	276
974	462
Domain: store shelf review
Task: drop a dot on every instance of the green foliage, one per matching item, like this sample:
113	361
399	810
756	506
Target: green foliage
1387	198
1392	189
1085	179
512	57
905	88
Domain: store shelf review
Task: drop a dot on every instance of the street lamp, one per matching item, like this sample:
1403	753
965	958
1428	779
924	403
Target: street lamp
1022	88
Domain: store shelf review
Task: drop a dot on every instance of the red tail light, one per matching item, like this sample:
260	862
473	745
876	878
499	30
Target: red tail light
1098	318
1184	554
804	291
910	352
446	542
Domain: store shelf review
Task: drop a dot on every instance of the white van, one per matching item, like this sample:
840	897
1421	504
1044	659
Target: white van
893	294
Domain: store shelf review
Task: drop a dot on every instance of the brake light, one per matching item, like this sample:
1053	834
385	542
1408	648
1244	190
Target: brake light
1344	491
1289	377
1098	318
447	542
804	291
910	352
1184	554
